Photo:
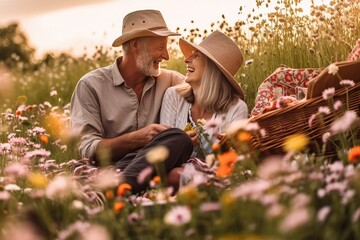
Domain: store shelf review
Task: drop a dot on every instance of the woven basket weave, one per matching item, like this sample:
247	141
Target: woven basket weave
281	123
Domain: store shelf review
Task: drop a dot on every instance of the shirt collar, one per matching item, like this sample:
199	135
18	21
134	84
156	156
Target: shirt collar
116	75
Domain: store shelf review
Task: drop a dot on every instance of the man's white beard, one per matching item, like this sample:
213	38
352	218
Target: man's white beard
145	63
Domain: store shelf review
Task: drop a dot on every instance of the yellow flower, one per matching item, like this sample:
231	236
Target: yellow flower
21	100
38	180
188	128
157	154
295	143
227	200
201	122
189	195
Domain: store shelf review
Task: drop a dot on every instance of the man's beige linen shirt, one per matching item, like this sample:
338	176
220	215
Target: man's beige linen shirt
103	106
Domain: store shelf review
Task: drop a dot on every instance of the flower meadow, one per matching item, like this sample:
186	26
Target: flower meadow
47	191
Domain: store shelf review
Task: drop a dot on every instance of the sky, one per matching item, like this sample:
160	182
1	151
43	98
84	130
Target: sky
73	25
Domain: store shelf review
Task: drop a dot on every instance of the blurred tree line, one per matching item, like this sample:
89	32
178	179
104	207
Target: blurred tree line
15	49
14	46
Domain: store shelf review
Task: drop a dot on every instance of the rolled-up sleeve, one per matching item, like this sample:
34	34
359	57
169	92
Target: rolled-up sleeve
86	119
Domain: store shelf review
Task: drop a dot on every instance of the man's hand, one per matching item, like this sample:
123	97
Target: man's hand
146	134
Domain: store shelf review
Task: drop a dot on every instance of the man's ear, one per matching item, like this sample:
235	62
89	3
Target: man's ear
135	45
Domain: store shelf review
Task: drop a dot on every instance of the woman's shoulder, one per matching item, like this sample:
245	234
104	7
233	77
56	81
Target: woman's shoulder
171	91
239	103
239	109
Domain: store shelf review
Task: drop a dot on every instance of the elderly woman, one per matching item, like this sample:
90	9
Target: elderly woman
210	91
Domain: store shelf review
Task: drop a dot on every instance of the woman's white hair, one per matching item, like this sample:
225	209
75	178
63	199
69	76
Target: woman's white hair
215	92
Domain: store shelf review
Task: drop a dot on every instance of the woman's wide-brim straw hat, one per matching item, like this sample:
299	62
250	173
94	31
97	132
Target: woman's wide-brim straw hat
223	51
143	23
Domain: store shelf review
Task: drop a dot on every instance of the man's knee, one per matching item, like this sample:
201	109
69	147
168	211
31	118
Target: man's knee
177	135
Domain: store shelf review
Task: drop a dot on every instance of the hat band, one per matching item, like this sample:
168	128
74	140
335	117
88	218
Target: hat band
158	28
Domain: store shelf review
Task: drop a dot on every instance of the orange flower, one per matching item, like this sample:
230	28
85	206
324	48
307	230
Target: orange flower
156	179
226	161
118	206
354	154
109	194
44	139
223	171
227	158
123	188
243	137
18	113
216	147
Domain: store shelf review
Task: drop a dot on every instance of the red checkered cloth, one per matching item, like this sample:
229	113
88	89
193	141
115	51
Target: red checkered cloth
201	166
355	53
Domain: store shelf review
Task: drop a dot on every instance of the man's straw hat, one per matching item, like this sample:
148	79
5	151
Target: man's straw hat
143	23
224	52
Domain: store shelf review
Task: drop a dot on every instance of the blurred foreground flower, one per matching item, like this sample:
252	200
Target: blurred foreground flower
106	178
226	161
344	123
157	154
295	143
61	187
178	215
38	180
123	189
354	154
118	206
84	231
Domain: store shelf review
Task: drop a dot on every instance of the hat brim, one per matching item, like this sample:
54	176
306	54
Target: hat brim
142	33
187	48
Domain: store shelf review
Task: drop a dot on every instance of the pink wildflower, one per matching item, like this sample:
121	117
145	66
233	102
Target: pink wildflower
295	219
324	110
347	83
311	119
344	123
16	170
337	105
210	207
178	215
326	136
333	69
323	213
145	174
328	93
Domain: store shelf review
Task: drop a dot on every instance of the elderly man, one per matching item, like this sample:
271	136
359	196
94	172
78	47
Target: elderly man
116	108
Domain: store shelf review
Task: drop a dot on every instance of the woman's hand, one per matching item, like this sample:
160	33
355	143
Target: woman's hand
194	137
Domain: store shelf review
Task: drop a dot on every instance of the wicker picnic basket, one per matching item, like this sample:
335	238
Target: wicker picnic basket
281	123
